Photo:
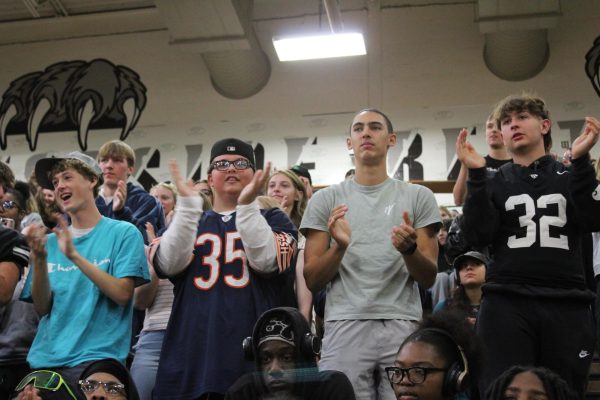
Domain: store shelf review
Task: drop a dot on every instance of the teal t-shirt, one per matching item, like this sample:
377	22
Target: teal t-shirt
83	323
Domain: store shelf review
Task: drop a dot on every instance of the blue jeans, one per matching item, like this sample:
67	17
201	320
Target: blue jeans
145	362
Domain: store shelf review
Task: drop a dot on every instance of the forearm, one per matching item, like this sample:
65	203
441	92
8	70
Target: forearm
303	294
41	293
257	237
421	267
460	186
119	290
177	243
144	295
422	263
480	218
319	270
585	190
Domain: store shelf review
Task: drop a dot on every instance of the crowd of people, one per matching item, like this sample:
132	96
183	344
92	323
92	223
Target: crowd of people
251	284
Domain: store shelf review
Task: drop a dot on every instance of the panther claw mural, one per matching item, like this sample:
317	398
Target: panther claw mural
592	65
72	96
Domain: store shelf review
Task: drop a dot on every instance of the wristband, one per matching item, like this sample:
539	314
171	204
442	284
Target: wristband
410	251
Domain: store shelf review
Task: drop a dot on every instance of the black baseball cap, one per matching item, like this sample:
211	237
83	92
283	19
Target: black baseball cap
301	171
469	255
232	146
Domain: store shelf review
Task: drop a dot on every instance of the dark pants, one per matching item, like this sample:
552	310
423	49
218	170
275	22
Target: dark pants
554	333
597	313
212	396
10	376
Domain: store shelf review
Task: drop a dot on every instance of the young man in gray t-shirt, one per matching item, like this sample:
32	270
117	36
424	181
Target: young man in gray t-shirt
370	240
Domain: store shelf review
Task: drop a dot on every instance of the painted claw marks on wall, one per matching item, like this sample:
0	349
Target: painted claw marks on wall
72	96
592	65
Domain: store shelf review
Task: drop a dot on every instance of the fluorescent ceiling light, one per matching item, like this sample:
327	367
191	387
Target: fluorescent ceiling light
323	46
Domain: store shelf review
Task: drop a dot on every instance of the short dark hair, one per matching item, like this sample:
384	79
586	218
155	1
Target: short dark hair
556	388
388	123
524	102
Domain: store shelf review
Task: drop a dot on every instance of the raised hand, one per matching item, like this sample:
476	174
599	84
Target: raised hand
29	393
404	235
287	205
338	226
252	189
36	239
65	240
466	153
150	232
120	196
184	188
588	138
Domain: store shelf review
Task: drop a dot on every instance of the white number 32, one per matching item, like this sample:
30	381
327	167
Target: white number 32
526	221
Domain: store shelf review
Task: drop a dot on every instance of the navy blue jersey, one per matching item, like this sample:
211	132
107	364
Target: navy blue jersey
218	298
534	217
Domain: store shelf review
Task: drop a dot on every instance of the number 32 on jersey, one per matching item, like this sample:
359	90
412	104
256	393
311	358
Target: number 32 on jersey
545	221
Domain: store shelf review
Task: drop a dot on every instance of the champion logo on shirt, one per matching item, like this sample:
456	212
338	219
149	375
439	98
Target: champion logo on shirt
226	218
534	176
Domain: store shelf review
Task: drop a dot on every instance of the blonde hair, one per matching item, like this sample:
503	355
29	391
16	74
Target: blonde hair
299	205
117	149
169	186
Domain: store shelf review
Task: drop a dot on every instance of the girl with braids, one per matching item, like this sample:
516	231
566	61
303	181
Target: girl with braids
441	360
524	383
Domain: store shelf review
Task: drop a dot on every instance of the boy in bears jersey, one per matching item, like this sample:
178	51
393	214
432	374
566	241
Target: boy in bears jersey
228	266
535	308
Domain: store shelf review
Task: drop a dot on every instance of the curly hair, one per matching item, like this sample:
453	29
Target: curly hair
463	339
556	388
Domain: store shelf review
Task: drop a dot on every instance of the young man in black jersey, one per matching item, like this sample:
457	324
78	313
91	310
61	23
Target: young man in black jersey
535	308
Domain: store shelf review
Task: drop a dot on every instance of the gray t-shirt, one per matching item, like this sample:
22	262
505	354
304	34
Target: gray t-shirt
373	281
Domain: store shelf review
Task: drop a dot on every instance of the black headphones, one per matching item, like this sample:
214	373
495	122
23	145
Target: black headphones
308	345
457	376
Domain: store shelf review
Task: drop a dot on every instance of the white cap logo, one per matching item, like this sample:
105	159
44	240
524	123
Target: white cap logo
230	148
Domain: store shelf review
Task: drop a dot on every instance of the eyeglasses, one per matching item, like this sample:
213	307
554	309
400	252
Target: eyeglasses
8	204
111	388
206	192
46	380
415	375
239	164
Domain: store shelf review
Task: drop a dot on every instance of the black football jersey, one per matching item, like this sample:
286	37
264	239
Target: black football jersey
533	218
